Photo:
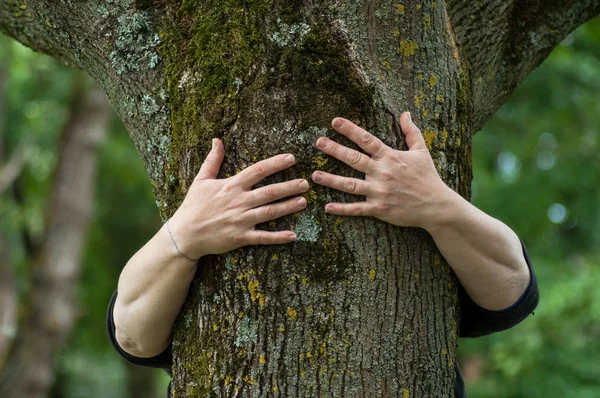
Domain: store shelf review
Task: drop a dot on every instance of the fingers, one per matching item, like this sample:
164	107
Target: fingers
367	141
212	164
271	212
353	209
344	184
258	237
269	193
252	175
355	159
414	138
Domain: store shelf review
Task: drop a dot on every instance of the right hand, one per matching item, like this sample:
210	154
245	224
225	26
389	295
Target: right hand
218	216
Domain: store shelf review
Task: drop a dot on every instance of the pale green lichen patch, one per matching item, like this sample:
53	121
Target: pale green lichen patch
137	39
246	332
307	228
289	34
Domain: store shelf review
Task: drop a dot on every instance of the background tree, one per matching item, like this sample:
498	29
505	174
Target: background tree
226	66
55	263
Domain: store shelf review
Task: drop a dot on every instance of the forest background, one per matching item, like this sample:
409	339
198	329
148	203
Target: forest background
536	167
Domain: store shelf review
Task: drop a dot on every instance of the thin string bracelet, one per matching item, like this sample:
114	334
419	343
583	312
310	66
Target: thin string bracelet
175	244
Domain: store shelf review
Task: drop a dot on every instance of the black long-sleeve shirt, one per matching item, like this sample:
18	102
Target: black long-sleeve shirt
475	321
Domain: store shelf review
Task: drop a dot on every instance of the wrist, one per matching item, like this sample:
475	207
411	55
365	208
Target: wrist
180	236
446	207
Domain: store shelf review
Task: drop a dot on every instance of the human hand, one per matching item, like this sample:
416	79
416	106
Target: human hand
402	188
219	215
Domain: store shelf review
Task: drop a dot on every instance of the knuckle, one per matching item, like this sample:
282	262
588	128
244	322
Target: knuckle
350	185
356	210
235	203
386	175
382	208
258	169
229	187
263	240
355	157
367	138
239	240
269	212
270	193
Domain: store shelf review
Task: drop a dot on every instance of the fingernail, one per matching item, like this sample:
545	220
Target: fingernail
301	202
289	159
304	184
292	236
318	177
409	118
214	143
337	122
321	143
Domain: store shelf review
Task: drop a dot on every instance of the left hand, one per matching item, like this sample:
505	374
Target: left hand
402	188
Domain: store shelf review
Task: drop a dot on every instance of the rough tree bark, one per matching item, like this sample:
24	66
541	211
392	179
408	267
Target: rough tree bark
355	307
50	308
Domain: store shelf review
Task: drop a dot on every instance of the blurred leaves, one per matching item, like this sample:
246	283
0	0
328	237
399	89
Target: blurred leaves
537	168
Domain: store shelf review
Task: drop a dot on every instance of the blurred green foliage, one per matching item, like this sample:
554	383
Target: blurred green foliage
536	167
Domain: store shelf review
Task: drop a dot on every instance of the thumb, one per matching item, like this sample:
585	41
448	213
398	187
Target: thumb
212	164
414	138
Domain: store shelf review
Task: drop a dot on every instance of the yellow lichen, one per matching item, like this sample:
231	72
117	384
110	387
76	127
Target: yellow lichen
432	81
430	136
320	161
405	392
419	98
262	359
401	9
291	312
228	380
387	64
372	274
253	289
408	48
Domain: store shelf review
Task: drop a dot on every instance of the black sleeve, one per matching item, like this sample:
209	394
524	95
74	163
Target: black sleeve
477	321
163	360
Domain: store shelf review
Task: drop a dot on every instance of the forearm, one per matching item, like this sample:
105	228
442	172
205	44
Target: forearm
485	254
151	291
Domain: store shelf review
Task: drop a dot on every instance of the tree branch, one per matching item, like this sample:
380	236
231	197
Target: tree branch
503	41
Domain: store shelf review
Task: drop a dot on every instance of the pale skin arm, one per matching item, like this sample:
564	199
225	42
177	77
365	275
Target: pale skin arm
404	189
216	216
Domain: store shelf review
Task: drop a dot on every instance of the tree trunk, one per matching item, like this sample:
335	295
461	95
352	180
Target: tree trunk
51	309
355	307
